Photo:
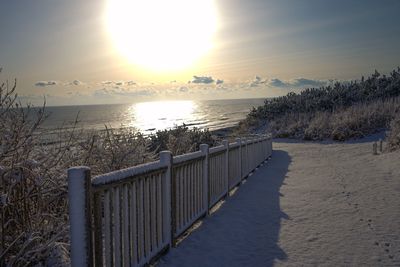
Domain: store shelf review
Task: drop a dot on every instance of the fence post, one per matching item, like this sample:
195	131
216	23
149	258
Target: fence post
169	199
375	148
270	146
244	159
239	141
225	143
380	145
264	147
206	192
79	196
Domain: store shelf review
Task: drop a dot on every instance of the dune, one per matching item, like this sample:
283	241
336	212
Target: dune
311	204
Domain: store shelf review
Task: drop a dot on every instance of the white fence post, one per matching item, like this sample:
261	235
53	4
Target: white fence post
206	192
79	196
239	141
225	143
269	146
169	224
243	159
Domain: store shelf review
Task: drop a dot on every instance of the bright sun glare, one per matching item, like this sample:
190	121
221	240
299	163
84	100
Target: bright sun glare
161	114
162	34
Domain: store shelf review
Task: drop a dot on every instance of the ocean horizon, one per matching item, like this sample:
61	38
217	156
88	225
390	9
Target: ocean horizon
149	117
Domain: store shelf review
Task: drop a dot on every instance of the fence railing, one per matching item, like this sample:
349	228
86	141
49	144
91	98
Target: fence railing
127	217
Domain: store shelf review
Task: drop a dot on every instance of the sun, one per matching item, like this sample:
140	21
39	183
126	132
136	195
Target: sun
162	34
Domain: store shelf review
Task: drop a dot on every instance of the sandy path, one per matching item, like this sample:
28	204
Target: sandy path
310	205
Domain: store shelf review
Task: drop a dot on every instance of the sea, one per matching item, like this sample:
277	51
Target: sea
149	117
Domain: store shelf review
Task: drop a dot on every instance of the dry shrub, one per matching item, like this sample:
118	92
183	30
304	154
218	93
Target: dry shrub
32	191
180	139
113	149
319	127
360	120
291	125
342	124
393	138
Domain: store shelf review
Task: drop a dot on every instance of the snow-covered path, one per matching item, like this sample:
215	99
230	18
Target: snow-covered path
310	205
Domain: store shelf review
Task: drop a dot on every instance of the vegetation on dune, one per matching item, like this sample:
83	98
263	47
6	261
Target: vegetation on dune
338	112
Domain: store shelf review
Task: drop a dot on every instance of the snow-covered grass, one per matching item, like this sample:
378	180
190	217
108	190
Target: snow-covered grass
341	111
394	134
333	204
341	124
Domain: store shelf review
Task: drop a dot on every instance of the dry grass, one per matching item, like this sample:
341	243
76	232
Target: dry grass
342	124
393	138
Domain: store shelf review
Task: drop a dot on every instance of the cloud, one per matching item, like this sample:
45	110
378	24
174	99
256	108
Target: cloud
118	83
107	83
76	82
45	83
257	81
118	91
219	81
293	83
277	83
202	79
301	82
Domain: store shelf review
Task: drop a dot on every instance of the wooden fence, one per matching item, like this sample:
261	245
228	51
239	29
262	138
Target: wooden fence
127	217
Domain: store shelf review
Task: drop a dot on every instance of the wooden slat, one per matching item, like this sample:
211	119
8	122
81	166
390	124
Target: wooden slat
198	186
140	220
125	228
191	190
212	182
147	216
159	210
107	229
98	229
181	198
184	194
153	221
117	227
133	224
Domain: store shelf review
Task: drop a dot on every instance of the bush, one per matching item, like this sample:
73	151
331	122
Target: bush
394	134
180	140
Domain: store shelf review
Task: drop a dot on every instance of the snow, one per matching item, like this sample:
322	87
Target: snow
311	204
127	173
217	149
187	157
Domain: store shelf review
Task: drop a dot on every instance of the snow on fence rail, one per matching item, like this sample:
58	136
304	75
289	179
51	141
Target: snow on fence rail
127	217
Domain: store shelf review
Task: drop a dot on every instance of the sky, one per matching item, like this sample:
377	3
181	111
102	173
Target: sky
79	52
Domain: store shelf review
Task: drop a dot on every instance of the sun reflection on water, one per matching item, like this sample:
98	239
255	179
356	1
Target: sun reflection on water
160	115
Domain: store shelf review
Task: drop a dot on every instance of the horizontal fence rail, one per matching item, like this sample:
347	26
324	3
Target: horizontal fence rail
130	216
